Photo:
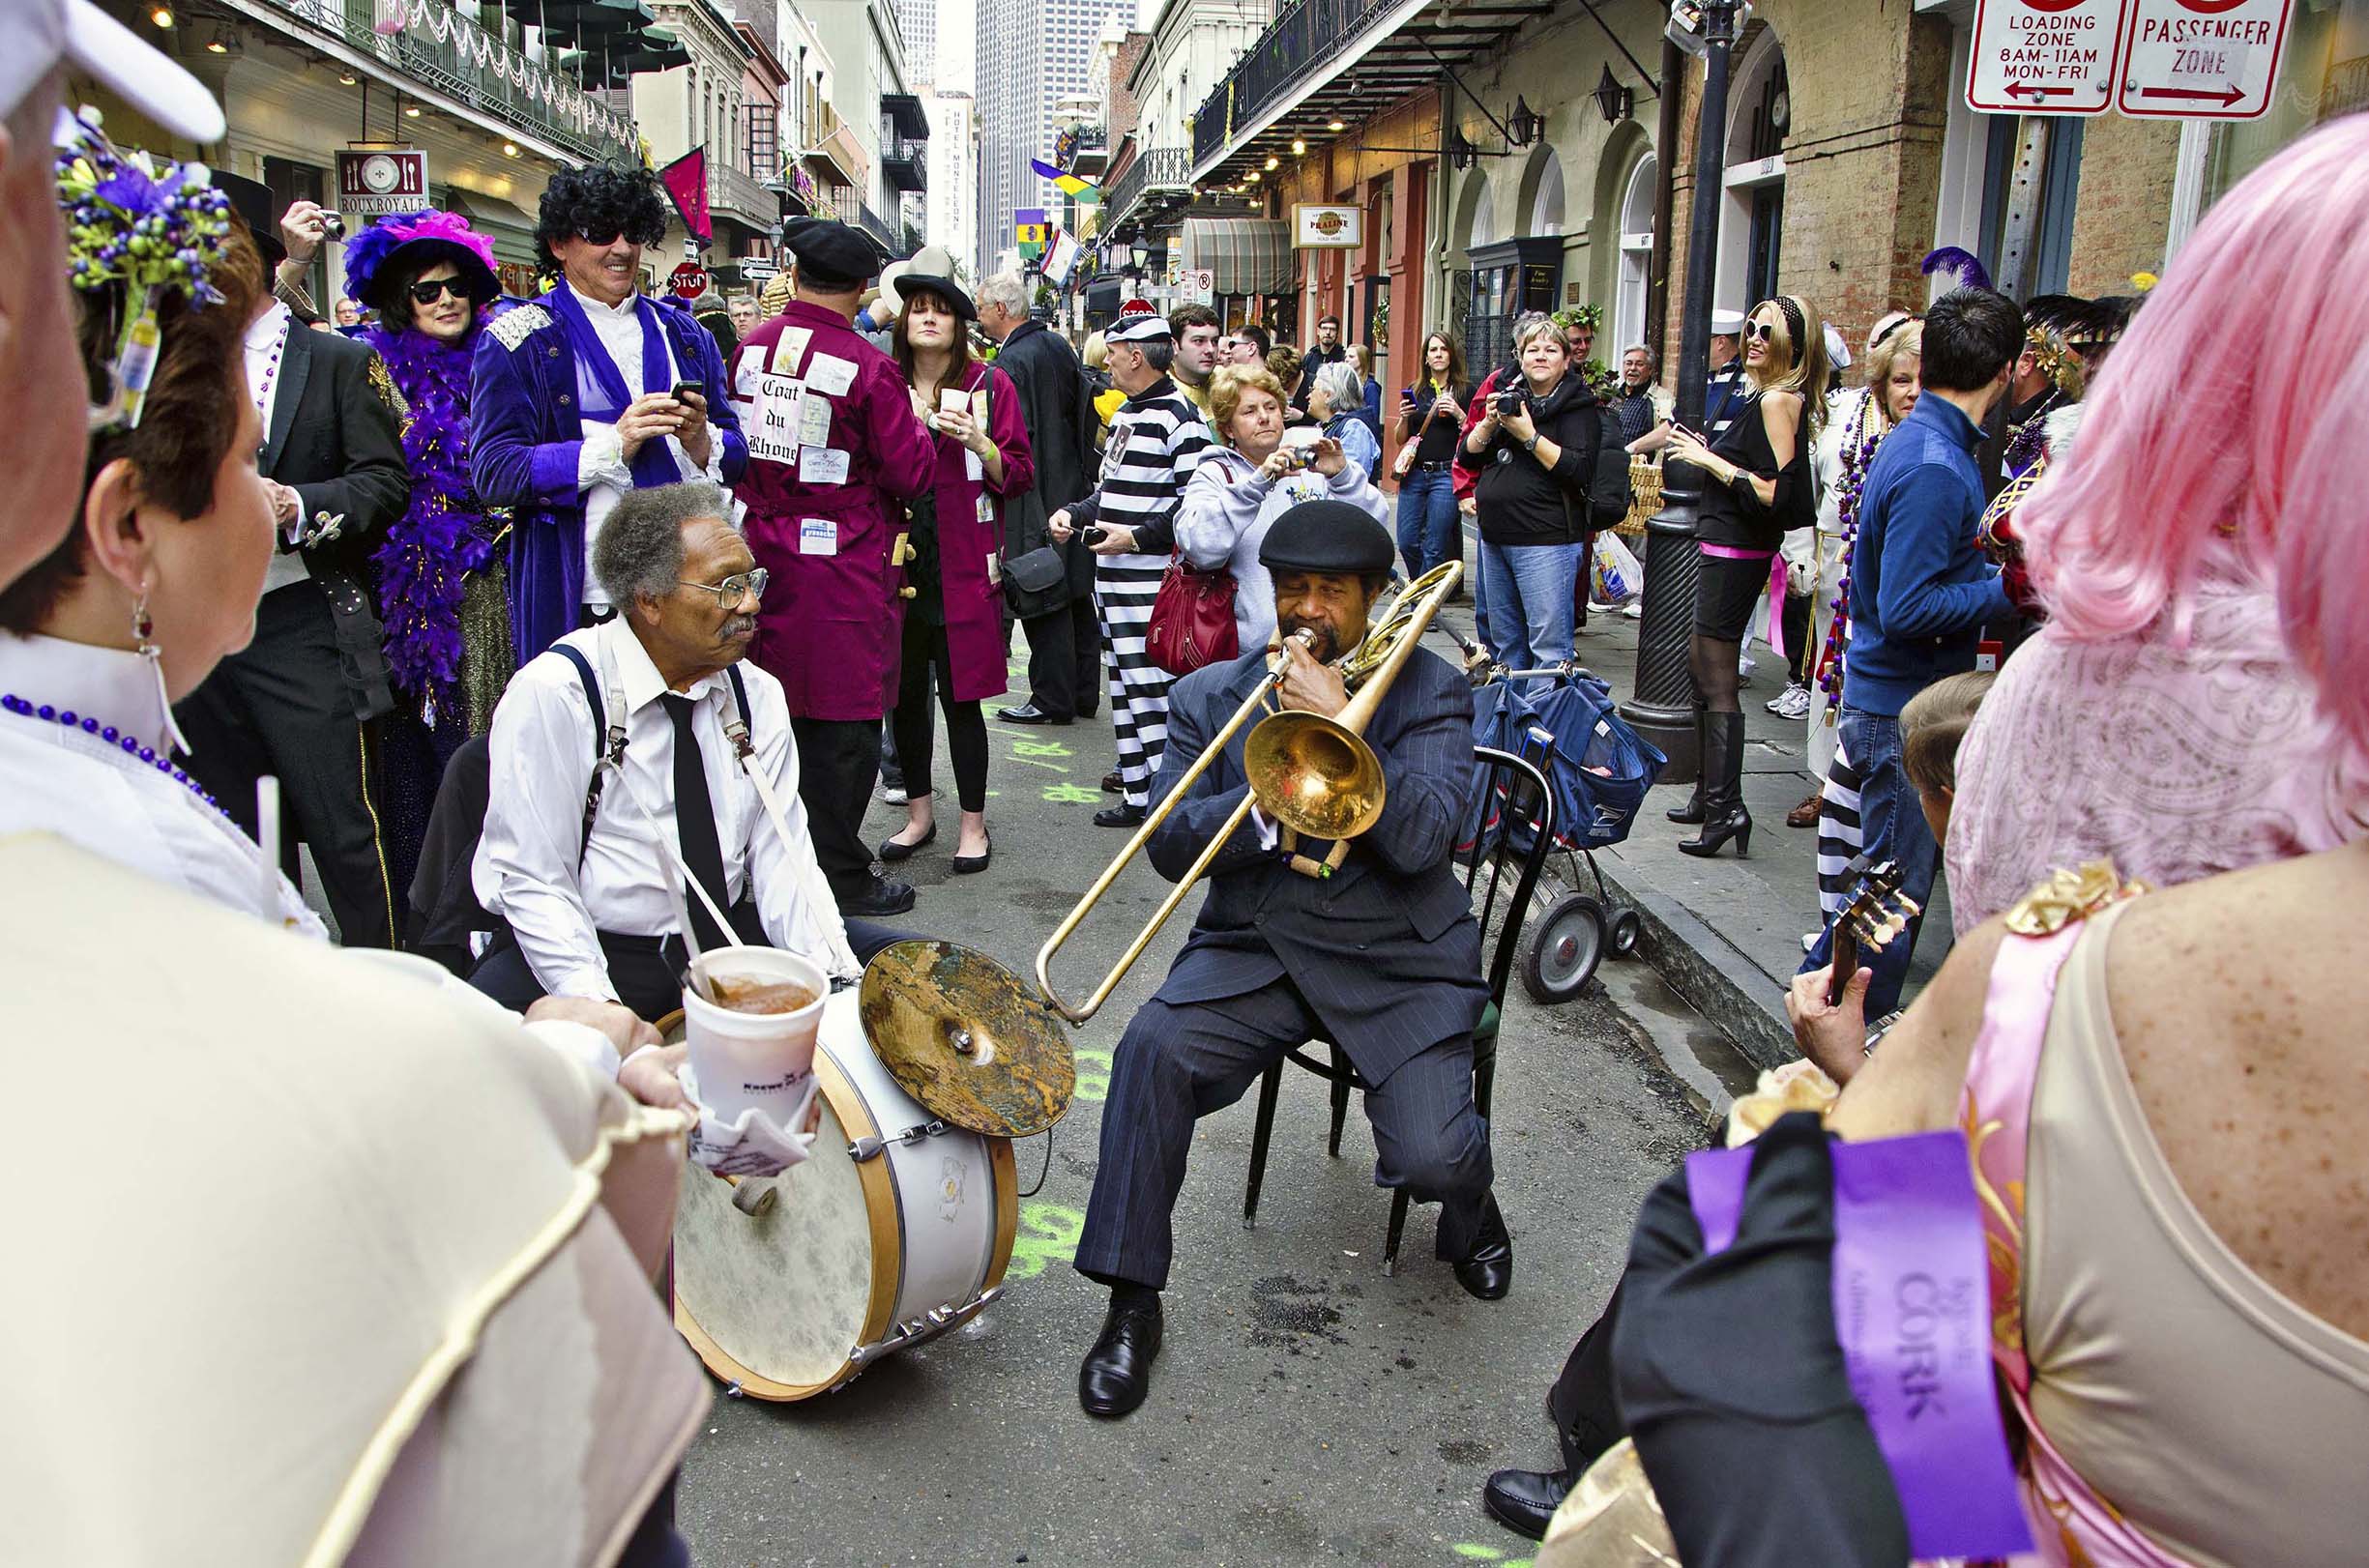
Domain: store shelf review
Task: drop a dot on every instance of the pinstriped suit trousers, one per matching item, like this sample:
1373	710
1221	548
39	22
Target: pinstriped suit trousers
1178	1063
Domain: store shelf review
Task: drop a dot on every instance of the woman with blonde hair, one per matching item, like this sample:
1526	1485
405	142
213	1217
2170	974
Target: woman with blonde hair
1242	488
1759	490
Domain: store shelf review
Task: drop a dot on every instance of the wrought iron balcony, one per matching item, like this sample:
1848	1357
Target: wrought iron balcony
741	197
446	54
906	164
1305	35
1162	172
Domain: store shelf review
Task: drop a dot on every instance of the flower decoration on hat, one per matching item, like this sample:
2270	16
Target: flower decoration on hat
1589	316
138	228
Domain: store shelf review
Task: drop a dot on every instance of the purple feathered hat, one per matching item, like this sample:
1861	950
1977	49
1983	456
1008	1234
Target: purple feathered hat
425	238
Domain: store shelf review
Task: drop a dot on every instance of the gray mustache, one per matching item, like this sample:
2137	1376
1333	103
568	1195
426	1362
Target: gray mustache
740	625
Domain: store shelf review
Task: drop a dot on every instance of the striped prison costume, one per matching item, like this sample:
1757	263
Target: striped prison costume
1157	440
1839	838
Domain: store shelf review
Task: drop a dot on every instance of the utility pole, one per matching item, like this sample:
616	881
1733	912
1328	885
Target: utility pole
1661	708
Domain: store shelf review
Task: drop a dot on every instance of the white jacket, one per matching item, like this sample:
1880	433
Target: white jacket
1226	512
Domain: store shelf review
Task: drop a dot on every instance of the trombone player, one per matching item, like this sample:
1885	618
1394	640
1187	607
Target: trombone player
1380	954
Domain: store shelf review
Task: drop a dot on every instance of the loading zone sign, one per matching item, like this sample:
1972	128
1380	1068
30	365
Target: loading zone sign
2044	56
2202	59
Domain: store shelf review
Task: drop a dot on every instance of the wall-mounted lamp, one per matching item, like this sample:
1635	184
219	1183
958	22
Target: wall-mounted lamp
1298	147
1612	99
1272	161
163	15
1525	124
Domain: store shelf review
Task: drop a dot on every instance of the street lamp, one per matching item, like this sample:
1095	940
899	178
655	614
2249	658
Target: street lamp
1661	707
1524	125
1138	252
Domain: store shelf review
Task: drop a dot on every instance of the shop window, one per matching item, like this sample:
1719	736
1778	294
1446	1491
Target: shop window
1509	278
1629	307
1546	204
2325	75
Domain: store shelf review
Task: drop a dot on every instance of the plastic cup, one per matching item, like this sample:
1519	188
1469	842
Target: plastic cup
752	1060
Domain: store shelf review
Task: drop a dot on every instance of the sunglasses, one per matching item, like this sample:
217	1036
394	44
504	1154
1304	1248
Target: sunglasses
1765	330
608	236
428	290
731	590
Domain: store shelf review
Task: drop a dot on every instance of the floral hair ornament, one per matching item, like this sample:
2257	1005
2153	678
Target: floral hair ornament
1589	316
135	229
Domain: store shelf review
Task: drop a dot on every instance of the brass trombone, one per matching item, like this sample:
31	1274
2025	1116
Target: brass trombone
1313	774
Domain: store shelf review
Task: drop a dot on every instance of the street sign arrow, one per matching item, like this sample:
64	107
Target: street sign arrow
2025	89
2223	96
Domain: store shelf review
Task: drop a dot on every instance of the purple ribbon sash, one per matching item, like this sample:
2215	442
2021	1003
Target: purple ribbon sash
1912	1311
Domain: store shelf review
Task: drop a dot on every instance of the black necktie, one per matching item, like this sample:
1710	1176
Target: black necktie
696	823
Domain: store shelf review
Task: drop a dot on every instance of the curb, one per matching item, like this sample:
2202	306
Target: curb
1702	967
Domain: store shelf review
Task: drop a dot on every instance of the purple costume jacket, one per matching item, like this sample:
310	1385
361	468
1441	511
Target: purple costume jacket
527	394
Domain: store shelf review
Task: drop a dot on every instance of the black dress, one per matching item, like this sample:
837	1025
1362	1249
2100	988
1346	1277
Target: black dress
1738	531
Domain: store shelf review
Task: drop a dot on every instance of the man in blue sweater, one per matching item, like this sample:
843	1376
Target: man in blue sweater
1920	590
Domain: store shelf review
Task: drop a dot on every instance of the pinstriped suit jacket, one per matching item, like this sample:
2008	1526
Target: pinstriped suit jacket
1385	949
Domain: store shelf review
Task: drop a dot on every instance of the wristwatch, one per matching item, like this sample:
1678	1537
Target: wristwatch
1531	444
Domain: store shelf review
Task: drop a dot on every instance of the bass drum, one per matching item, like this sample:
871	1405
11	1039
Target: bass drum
789	1285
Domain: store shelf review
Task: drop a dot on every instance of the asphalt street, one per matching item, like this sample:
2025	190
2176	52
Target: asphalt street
1306	1409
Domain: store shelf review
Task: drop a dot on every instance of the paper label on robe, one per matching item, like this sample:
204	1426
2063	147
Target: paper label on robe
772	424
987	508
818	536
829	373
972	468
995	563
815	421
790	348
1913	1314
821	465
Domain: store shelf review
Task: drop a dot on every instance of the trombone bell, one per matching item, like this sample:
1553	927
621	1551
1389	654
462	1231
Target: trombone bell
1313	775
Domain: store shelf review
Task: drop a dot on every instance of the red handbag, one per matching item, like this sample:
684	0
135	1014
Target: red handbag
1193	618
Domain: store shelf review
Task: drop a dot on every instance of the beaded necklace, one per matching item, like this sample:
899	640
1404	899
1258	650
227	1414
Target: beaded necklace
2024	445
1859	450
129	744
270	369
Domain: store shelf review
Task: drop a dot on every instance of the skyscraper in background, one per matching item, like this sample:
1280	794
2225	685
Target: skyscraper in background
918	20
1031	55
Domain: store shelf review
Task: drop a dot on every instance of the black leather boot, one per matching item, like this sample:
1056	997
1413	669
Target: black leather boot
1118	1370
1723	814
1692	811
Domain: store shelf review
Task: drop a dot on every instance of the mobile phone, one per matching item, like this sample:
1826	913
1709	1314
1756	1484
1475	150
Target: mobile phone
1093	533
682	386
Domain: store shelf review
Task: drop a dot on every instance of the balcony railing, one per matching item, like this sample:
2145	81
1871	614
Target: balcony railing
906	164
743	197
1303	36
447	54
877	226
1159	171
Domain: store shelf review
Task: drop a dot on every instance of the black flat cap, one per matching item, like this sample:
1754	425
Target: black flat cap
1327	536
944	288
831	254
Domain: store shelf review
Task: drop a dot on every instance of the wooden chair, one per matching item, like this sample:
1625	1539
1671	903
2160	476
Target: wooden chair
1520	804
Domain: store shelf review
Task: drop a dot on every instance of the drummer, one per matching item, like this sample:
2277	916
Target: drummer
588	912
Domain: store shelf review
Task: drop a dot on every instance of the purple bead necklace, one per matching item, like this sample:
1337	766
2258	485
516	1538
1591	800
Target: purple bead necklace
129	745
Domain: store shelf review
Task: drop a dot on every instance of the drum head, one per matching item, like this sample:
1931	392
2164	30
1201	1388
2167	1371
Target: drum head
963	1035
775	1301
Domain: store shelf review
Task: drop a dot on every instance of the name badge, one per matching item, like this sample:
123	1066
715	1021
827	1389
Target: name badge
987	508
821	465
995	568
831	374
818	536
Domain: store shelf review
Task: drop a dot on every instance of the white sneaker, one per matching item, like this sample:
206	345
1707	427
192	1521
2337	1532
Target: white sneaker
1794	702
1635	610
893	795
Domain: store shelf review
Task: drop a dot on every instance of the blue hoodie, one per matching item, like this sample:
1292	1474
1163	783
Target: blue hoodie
1920	586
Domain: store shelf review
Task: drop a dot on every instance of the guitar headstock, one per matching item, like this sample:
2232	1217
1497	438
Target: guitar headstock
1877	915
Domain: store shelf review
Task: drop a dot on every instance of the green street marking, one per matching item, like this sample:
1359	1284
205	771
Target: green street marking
1048	1233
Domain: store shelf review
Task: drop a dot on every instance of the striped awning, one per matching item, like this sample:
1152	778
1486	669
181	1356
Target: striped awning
1251	255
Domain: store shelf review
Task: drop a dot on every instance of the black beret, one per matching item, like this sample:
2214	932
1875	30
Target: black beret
831	254
1327	536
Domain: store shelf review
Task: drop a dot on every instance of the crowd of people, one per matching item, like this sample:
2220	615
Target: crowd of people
544	612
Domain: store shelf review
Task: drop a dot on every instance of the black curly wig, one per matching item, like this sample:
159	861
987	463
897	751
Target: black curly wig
600	199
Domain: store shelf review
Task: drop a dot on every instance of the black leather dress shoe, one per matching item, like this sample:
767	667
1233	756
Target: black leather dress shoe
1028	712
1487	1270
1112	784
1118	1370
1524	1500
886	896
1120	816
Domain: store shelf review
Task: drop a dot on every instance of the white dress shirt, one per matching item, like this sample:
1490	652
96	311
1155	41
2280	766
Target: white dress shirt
267	344
602	470
541	751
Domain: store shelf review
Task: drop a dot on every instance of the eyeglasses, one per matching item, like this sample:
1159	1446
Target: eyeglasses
731	590
428	290
1765	330
608	236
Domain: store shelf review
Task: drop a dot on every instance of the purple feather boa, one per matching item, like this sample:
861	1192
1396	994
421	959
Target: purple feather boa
441	537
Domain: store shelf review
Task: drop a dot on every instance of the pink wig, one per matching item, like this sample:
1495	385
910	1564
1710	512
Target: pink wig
2223	443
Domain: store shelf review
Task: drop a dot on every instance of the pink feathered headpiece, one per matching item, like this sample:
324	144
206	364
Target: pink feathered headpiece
367	254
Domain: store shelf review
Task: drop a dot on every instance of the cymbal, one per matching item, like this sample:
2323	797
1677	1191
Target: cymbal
962	1034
